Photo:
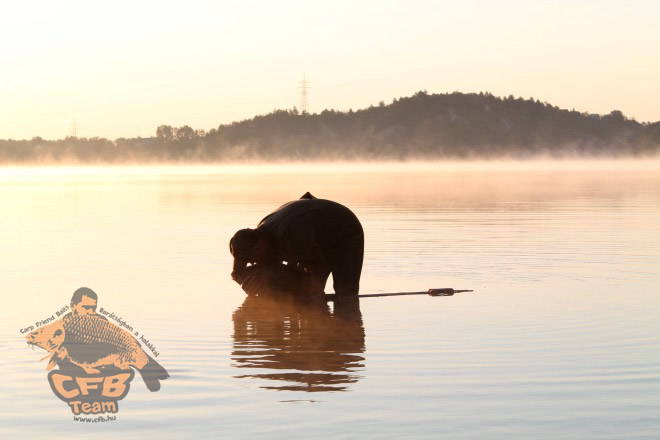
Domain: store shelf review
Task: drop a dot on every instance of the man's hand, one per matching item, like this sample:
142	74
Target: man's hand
315	287
279	279
254	283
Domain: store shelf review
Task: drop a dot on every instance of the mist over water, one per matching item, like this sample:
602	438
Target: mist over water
559	340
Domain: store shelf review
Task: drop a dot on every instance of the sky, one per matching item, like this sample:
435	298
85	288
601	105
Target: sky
122	68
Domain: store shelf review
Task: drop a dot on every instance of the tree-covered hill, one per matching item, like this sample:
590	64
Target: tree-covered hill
423	126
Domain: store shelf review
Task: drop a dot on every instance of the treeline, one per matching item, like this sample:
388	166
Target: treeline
423	126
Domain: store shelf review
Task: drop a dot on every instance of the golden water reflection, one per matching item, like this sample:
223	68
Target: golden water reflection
299	347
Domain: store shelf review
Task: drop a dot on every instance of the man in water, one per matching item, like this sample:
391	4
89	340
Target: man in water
315	237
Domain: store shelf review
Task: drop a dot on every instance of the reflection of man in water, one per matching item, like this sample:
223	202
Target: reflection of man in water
299	346
314	236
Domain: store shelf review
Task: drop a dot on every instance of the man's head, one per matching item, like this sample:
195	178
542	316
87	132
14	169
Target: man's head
247	246
83	301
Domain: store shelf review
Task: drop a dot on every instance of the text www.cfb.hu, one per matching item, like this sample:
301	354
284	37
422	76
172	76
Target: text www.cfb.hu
99	419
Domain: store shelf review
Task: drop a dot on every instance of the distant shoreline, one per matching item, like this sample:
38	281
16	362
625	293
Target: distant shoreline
650	164
454	126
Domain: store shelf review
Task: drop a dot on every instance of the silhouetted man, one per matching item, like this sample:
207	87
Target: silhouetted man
313	236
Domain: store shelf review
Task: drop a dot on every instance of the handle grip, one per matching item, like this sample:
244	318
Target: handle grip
447	291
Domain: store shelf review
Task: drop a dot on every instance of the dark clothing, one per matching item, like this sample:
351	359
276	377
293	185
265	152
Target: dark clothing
321	236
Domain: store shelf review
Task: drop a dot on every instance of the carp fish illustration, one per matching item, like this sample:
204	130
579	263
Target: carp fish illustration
93	343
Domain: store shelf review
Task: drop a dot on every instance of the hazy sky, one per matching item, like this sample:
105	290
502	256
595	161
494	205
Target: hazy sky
123	68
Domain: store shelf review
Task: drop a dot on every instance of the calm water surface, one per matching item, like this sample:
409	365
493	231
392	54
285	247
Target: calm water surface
561	338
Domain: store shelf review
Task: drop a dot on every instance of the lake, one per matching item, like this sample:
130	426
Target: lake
560	338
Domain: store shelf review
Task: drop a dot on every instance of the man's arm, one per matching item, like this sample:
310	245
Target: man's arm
278	279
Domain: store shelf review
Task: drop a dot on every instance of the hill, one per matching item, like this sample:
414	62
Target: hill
422	126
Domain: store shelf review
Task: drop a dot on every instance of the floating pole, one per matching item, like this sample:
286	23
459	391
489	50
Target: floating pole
446	291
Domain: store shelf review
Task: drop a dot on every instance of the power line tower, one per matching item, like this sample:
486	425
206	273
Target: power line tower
304	91
74	128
